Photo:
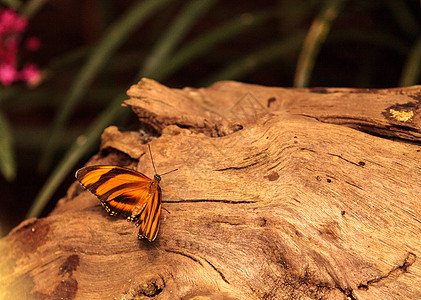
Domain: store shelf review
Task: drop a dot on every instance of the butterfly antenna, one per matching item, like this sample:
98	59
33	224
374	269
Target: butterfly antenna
150	152
169	172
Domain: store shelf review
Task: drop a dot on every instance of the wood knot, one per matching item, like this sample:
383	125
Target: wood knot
401	112
150	286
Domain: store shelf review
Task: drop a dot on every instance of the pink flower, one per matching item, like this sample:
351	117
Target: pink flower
12	27
8	74
11	22
31	74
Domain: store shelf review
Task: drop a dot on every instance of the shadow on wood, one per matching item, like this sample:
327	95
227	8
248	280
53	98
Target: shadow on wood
281	193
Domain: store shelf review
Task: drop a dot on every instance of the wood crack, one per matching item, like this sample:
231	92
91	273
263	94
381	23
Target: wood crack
199	262
237	168
394	273
218	271
354	185
229	223
387	131
278	163
359	164
185	255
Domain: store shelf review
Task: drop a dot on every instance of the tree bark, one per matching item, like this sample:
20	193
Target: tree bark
279	194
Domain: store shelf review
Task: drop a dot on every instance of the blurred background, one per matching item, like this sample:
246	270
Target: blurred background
65	67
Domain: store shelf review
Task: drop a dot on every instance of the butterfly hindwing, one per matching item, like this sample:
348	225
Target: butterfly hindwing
128	192
148	221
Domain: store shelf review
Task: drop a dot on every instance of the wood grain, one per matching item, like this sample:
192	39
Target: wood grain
280	194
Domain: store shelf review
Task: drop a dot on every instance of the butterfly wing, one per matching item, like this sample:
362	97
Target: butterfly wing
148	221
128	192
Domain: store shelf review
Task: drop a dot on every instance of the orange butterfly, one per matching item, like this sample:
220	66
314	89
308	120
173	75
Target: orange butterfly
128	192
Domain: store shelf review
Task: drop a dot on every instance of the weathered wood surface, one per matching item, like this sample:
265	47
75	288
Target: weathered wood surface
282	194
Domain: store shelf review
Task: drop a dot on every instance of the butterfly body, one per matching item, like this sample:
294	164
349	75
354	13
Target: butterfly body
126	192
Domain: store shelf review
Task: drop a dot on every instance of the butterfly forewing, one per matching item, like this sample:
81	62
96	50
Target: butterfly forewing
128	192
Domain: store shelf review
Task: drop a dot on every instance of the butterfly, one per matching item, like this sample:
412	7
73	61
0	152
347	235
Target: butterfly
127	192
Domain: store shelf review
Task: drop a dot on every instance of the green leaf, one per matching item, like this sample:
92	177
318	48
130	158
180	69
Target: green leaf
30	8
12	3
412	70
7	160
192	11
315	38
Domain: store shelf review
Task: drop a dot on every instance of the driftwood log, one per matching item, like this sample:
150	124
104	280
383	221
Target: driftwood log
280	194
